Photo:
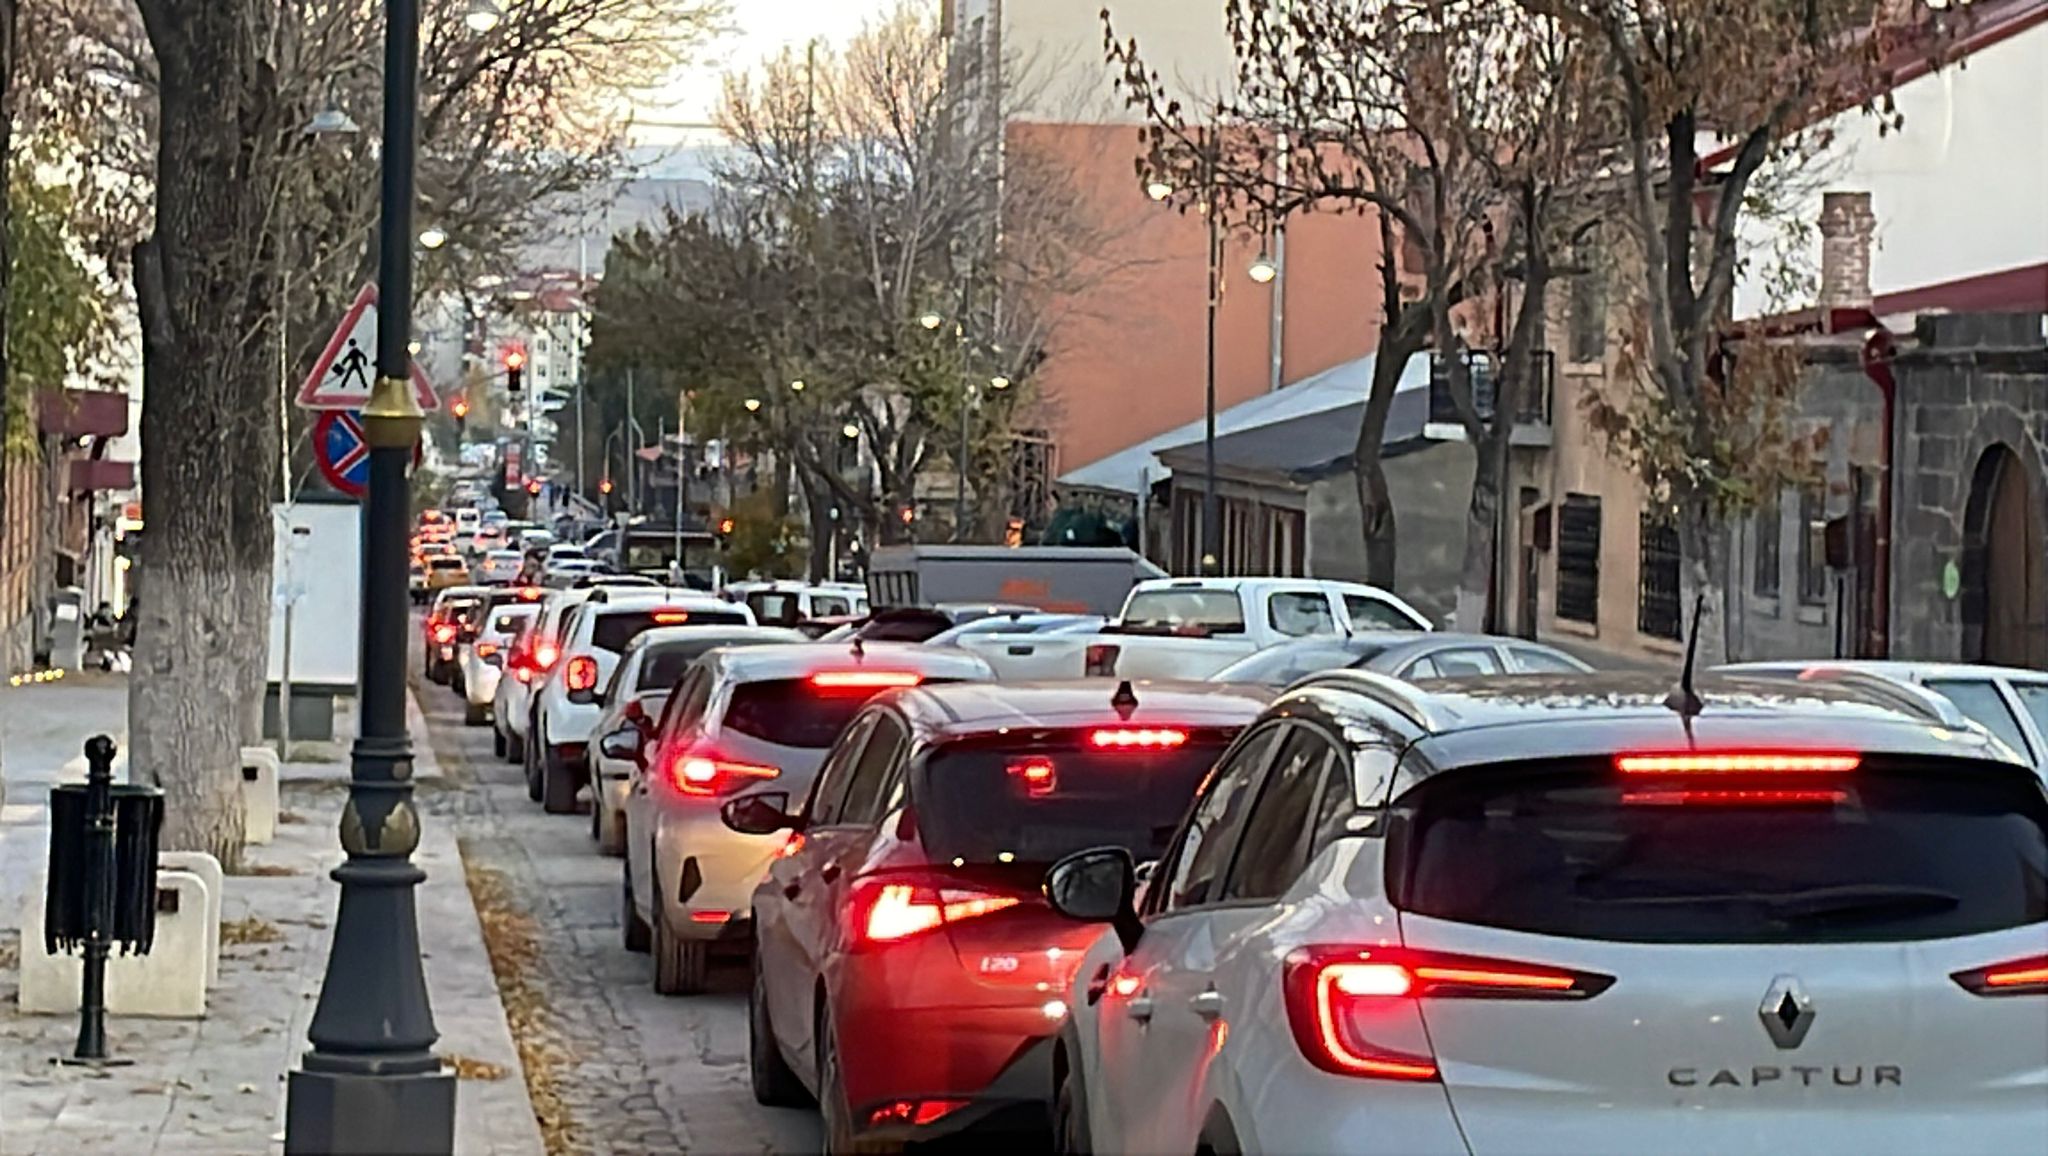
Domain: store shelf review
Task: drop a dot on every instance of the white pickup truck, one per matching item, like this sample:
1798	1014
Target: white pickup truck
1190	628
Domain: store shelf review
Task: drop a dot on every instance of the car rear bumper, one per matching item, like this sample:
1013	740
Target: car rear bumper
480	683
706	868
1015	1100
569	722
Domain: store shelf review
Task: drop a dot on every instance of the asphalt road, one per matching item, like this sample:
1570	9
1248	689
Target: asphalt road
621	1069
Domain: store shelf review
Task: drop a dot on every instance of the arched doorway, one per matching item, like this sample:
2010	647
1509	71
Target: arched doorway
2005	576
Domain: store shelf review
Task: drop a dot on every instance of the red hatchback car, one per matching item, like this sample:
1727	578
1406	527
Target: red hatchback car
908	974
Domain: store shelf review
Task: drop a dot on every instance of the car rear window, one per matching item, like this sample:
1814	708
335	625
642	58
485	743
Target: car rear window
775	607
613	630
1036	801
447	562
1887	854
1289	662
507	621
1191	611
790	712
666	665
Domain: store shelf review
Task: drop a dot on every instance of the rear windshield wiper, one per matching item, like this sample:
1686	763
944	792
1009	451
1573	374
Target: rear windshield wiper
1860	901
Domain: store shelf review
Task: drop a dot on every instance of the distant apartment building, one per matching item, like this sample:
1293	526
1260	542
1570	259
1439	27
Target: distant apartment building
1127	357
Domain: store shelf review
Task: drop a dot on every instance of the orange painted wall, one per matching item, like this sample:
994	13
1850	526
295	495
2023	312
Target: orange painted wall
1126	357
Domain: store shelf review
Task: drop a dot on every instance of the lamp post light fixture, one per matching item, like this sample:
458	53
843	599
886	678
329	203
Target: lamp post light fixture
482	16
370	1081
753	404
999	382
1263	270
1158	190
931	321
331	121
850	430
797	386
432	237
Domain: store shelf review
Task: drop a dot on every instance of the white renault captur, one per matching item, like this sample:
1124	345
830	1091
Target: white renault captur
1575	915
565	699
483	658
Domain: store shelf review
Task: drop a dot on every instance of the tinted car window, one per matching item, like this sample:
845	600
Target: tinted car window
1301	612
507	621
828	791
2033	698
1204	852
1037	802
790	712
776	607
871	772
670	660
1373	614
1276	835
830	605
1980	702
1537	660
1193	611
1463	663
1883	855
613	630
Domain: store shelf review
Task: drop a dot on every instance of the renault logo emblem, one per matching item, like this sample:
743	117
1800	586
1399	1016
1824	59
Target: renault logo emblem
1787	1012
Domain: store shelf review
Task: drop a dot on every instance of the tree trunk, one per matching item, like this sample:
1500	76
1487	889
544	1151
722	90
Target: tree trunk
1702	582
1482	532
203	289
1402	337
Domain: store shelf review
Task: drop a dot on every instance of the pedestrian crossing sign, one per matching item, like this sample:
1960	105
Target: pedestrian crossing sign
347	368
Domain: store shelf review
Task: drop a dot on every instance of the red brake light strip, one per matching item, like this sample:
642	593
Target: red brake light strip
2017	977
865	679
1736	762
1137	738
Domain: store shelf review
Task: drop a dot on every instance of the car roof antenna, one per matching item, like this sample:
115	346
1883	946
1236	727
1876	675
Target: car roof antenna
1683	698
859	652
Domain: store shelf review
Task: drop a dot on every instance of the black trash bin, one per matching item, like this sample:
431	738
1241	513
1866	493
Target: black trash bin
138	817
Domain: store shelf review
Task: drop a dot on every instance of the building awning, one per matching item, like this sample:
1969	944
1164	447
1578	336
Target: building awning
1132	470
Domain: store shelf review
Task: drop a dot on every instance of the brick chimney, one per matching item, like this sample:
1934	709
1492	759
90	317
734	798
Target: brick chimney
1846	227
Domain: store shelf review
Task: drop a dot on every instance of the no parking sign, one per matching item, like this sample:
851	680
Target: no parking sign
342	451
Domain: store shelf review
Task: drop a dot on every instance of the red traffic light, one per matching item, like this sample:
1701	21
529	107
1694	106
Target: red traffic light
460	407
533	486
604	485
515	359
725	526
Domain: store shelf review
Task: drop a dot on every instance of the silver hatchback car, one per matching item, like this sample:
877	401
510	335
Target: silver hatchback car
741	719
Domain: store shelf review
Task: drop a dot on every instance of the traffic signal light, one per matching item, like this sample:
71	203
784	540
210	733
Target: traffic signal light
515	371
725	526
604	484
459	410
533	486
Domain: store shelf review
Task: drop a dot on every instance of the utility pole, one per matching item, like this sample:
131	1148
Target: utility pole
1212	519
371	1082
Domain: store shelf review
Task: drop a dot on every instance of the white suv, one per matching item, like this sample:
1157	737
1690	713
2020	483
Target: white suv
532	656
565	699
1575	915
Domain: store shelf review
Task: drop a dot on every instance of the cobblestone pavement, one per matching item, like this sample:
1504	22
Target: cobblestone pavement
632	1071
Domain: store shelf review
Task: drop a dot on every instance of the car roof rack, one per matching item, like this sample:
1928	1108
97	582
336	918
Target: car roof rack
1907	698
1409	701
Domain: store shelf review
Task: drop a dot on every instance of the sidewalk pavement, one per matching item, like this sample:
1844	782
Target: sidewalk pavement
217	1086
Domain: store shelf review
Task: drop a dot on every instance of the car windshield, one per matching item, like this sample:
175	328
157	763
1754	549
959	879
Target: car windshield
1292	661
1032	802
615	628
1184	611
790	712
1890	853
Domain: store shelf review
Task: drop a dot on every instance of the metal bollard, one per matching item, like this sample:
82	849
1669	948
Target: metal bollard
99	904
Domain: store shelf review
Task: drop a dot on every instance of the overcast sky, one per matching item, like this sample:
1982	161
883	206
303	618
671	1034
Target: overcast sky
764	28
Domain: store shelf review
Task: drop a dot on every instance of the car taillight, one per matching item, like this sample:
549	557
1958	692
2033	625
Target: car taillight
581	673
1037	776
707	775
1792	797
1099	660
544	655
444	632
1339	998
486	650
865	679
890	911
671	617
2027	976
914	1112
1137	738
1736	763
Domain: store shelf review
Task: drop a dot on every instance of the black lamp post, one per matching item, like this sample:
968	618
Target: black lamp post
371	1082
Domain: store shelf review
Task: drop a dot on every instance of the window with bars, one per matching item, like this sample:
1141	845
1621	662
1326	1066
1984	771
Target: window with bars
1578	558
1657	601
1587	339
1769	528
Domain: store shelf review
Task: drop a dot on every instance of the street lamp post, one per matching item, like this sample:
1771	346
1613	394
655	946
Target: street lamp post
370	1082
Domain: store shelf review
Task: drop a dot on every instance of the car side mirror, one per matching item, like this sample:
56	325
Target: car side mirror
622	744
761	814
1098	885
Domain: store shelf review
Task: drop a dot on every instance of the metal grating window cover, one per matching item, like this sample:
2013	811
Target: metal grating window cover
1578	558
1657	600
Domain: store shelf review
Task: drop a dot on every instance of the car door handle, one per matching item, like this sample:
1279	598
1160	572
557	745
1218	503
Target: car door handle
1140	1009
829	872
1021	651
1208	1005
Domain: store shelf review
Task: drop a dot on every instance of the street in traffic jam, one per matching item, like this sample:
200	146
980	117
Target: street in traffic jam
1185	578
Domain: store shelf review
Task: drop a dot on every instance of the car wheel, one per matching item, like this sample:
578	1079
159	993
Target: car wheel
775	1083
1069	1118
529	764
607	826
497	742
515	748
635	931
680	965
557	783
457	682
840	1137
474	715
